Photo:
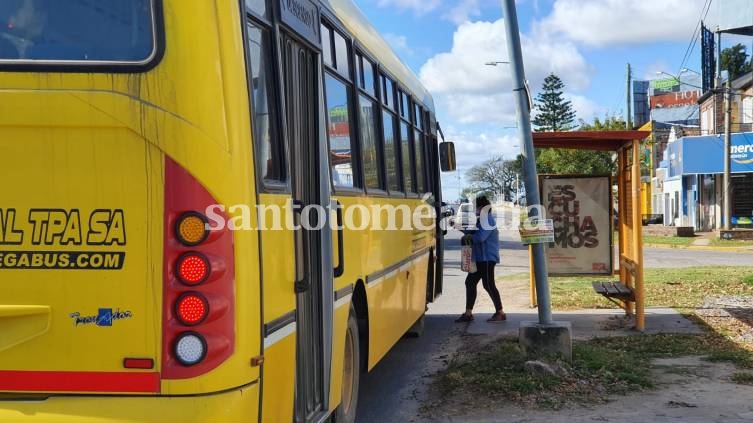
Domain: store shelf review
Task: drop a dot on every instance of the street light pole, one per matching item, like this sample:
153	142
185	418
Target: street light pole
529	160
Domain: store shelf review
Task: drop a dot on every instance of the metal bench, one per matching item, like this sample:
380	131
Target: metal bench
614	290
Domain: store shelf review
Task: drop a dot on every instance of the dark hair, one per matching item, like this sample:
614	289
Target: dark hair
481	202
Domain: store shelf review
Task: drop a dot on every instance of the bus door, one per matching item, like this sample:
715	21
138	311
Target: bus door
304	125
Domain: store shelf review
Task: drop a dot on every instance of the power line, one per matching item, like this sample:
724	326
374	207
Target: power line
696	32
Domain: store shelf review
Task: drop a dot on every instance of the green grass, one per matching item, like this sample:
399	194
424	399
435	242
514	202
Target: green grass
600	367
676	241
716	242
743	378
679	288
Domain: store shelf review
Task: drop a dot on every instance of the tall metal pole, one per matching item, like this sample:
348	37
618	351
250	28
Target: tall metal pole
530	177
628	118
727	143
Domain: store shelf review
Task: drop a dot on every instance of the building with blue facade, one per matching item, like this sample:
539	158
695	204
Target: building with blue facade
693	188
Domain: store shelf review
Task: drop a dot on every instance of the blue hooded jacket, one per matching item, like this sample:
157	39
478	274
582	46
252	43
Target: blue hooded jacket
485	240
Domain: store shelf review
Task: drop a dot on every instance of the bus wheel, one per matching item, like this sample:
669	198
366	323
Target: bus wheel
417	329
346	412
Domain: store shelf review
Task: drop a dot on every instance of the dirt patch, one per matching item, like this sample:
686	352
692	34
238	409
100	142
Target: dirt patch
687	389
730	314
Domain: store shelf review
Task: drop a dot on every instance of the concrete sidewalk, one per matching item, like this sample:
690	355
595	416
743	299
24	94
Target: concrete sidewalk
587	324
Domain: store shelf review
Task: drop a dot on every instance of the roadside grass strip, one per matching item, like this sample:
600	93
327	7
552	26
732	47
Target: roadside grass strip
743	378
685	288
601	367
675	241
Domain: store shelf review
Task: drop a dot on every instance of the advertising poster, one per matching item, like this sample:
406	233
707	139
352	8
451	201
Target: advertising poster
580	208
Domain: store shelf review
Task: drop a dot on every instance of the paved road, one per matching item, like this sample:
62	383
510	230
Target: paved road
394	390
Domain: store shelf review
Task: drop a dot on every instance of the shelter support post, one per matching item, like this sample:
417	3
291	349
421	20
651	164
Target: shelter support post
637	253
624	222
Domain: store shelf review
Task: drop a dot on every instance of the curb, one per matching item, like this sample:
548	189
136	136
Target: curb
701	248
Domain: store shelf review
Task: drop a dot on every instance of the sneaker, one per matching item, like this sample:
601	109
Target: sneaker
499	316
464	318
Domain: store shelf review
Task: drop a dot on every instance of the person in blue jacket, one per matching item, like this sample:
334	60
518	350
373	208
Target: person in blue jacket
485	243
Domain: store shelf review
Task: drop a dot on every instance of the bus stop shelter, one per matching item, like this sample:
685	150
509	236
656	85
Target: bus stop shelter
627	292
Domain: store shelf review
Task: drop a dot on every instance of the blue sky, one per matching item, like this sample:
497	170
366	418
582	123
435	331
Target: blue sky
588	43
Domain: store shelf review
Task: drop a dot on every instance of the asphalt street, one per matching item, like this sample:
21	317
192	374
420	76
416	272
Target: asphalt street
394	390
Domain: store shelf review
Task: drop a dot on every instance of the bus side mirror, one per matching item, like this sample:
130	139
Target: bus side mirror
447	156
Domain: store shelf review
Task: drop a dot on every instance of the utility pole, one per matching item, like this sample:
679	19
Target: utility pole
629	120
727	144
530	177
544	337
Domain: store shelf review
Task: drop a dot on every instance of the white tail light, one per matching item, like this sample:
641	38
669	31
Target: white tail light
190	348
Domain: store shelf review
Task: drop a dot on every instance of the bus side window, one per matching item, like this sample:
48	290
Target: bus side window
269	146
339	119
407	157
391	153
368	108
418	145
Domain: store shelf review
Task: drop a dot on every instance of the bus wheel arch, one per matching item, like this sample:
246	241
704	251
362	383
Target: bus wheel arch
361	308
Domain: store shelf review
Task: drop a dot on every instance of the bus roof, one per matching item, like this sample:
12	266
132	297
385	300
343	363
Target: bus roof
355	21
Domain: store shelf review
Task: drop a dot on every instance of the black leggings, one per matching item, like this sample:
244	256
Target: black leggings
485	273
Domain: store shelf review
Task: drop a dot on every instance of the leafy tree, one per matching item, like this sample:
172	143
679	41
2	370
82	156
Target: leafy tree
495	176
588	162
735	60
553	112
610	123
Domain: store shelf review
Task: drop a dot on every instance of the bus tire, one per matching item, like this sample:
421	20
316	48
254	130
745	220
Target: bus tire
417	329
346	412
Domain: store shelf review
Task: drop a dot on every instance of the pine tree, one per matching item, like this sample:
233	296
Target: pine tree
553	112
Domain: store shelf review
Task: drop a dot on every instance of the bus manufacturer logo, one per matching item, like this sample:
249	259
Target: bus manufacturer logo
104	317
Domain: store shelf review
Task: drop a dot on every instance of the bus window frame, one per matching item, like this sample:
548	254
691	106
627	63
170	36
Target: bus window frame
351	85
403	94
395	113
399	193
265	185
419	146
110	66
360	53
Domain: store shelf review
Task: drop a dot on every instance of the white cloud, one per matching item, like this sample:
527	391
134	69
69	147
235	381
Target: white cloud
607	22
420	7
399	43
585	108
472	149
463	11
470	92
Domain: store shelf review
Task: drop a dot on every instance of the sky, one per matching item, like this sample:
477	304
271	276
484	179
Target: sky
587	43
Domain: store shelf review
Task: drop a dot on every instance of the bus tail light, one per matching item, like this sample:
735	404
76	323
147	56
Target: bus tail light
191	229
190	348
191	308
199	281
193	268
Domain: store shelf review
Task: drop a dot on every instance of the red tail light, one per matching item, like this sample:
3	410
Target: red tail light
199	278
191	308
193	268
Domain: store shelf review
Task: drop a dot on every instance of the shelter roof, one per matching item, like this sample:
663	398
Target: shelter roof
588	140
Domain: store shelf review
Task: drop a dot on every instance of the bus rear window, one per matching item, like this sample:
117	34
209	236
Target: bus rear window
79	31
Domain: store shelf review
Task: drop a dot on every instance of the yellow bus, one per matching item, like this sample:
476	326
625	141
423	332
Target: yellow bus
132	134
